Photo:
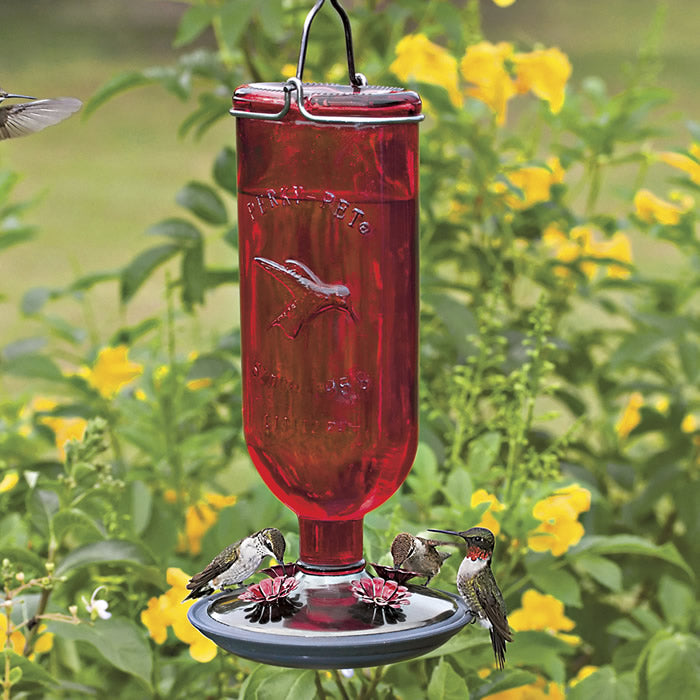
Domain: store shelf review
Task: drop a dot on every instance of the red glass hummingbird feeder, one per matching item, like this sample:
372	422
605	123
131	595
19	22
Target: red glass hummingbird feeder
327	217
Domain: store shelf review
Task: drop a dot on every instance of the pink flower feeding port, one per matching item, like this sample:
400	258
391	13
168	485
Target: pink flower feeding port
327	217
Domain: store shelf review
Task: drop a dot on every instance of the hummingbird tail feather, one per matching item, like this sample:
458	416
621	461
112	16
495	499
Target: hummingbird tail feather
499	647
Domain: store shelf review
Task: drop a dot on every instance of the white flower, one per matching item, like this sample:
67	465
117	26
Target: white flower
347	672
97	607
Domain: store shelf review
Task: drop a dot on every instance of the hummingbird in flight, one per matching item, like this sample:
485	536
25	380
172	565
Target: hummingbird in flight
418	554
478	587
237	562
310	295
29	117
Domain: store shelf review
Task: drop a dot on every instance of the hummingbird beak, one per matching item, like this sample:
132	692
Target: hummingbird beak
446	532
20	97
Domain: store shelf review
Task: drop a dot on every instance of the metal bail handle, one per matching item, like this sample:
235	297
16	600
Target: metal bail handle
357	80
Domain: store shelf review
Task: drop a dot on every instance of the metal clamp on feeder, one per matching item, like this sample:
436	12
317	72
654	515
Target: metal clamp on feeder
357	82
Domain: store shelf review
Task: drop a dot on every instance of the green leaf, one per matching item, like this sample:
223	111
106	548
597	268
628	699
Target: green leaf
33	367
601	569
270	683
288	684
557	582
446	684
677	601
121	642
34	299
225	172
673	669
459	644
120	83
108	551
603	684
15	237
505	680
631	544
15	675
483	452
43	504
458	487
24	346
180	231
141	506
193	277
31	672
70	519
625	629
203	201
192	23
141	267
424	478
24	559
210	366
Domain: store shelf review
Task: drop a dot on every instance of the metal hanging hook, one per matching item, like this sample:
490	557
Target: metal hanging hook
356	79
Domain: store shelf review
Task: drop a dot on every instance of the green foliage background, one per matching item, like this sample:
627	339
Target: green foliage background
524	374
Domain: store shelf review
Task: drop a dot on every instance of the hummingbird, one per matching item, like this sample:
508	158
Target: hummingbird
310	295
28	117
478	587
418	554
237	562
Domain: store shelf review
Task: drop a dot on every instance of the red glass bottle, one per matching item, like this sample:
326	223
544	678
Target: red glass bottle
329	306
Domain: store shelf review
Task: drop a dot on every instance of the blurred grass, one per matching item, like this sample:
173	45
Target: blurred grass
104	180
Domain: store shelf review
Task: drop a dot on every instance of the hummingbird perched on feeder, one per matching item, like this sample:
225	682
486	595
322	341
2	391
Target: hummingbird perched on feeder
237	562
28	117
478	587
418	554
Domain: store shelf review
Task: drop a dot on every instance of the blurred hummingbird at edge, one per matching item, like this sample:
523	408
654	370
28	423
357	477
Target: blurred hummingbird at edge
29	117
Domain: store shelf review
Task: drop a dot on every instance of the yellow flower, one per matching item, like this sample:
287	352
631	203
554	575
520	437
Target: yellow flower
560	528
65	429
44	642
583	243
584	672
653	209
196	384
544	72
662	404
487	519
617	248
689	424
167	610
503	3
420	59
483	65
541	611
289	70
687	164
539	690
199	518
112	371
535	182
16	637
630	416
9	481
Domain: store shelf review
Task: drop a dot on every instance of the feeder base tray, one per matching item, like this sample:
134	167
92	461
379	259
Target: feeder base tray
323	625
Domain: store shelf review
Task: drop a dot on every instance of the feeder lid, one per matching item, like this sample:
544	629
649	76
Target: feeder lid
325	102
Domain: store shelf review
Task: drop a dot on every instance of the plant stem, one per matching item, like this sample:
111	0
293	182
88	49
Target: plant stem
341	687
319	686
368	691
43	600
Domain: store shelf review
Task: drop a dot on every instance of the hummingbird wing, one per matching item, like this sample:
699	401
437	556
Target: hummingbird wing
220	563
290	277
491	600
303	270
28	117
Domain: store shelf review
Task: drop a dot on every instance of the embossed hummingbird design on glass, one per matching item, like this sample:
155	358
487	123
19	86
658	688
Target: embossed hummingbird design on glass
310	296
